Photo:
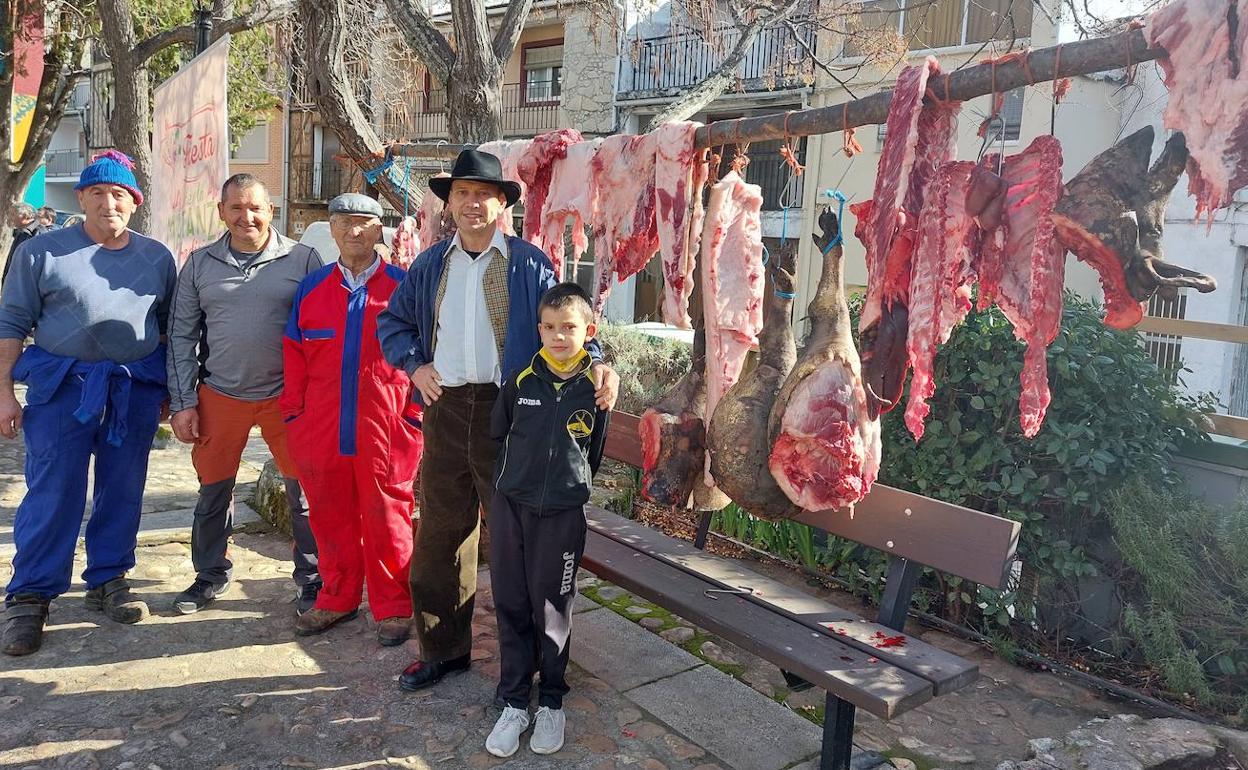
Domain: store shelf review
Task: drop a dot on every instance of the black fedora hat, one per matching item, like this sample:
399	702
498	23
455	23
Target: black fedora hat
476	166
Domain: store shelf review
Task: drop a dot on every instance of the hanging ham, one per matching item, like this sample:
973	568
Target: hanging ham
737	439
535	167
571	196
673	435
679	173
624	227
825	445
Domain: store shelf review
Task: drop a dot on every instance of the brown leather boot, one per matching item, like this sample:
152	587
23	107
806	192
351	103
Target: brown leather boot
318	621
23	627
392	632
115	600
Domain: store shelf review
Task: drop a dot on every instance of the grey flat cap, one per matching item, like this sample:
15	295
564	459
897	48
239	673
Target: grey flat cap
355	204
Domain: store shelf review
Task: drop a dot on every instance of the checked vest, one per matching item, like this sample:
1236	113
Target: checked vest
497	296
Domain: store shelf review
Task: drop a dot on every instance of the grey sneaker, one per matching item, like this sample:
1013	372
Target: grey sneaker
505	737
198	596
548	727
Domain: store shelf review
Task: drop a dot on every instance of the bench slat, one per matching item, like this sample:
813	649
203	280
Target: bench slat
878	687
946	672
950	538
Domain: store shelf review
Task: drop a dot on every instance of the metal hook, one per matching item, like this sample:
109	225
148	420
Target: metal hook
441	160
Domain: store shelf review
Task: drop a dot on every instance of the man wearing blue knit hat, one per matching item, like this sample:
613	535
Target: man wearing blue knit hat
97	298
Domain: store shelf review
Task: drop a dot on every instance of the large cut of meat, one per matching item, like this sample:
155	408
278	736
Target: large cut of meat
737	439
825	445
535	168
732	282
406	244
625	232
432	219
679	172
1111	217
509	154
571	195
920	137
673	435
941	281
1206	71
1022	266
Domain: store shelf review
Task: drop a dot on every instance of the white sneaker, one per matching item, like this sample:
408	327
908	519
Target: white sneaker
505	737
548	727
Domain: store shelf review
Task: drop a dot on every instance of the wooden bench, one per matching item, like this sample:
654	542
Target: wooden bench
810	640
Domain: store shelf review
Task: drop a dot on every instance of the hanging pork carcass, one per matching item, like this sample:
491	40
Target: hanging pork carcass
673	435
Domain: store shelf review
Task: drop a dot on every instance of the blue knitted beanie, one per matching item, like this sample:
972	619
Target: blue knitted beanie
111	167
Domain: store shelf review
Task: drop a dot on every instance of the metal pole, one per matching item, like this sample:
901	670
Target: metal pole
203	29
1124	49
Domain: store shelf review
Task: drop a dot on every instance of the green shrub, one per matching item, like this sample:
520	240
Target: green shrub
1185	590
647	365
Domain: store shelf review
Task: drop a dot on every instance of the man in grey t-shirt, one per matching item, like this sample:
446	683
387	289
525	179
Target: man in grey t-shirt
225	374
97	297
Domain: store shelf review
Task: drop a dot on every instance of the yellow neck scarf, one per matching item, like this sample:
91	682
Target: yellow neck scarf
564	368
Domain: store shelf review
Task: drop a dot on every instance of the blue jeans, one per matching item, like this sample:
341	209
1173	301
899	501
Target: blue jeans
58	448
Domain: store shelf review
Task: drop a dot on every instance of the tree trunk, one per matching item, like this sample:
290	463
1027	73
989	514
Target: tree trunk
474	102
324	29
132	109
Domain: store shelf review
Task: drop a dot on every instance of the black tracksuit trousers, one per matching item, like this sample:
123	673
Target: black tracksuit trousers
533	563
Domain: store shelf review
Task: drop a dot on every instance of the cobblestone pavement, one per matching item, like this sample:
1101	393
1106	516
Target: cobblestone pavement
233	688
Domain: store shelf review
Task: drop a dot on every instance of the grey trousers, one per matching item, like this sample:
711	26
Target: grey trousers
214	523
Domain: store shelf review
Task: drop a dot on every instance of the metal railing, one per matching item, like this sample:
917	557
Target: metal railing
776	59
423	115
64	162
318	181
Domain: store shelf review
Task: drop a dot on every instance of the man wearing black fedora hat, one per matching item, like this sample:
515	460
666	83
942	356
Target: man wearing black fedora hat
464	318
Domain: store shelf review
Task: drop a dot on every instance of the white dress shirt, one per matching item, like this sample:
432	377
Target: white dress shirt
464	349
354	282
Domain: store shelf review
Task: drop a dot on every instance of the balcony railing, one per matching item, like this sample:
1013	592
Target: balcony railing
423	116
318	181
777	59
64	162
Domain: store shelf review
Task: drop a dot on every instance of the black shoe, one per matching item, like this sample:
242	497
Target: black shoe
198	596
305	597
422	673
23	628
115	600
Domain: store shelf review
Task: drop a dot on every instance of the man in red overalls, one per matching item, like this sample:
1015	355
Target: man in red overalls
354	432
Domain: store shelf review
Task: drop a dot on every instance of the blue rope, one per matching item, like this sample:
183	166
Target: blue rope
372	175
785	294
407	171
840	221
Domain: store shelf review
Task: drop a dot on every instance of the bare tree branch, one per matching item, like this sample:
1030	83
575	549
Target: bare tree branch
429	44
472	31
510	27
185	34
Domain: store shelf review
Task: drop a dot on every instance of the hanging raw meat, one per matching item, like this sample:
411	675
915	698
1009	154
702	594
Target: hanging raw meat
825	445
940	289
738	439
571	195
535	168
673	435
679	172
432	218
732	282
406	243
1111	217
1022	266
625	232
920	137
1206	71
508	154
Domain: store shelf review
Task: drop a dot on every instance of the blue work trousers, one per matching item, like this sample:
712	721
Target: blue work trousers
58	448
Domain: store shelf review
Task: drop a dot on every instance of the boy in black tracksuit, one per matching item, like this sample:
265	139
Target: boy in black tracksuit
553	436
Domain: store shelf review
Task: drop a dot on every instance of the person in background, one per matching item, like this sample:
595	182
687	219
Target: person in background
73	220
47	218
355	431
25	226
464	319
97	298
552	435
230	310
